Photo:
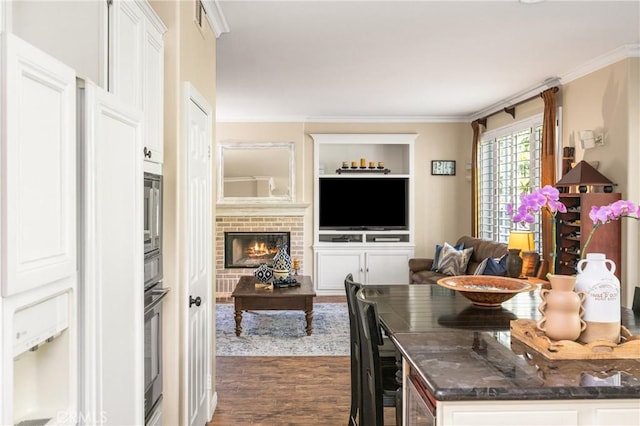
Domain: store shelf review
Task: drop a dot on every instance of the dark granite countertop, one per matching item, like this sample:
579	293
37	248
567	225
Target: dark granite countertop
464	353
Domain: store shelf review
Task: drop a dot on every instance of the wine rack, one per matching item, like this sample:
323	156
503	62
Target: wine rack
574	226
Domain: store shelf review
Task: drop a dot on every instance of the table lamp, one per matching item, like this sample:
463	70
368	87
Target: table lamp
519	241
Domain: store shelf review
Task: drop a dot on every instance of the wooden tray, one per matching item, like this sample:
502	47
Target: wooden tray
527	332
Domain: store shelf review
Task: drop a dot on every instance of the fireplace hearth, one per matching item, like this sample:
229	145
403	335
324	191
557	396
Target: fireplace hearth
250	249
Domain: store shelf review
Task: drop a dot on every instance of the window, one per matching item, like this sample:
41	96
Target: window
509	163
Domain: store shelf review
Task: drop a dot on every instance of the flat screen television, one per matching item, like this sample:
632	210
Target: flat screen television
374	203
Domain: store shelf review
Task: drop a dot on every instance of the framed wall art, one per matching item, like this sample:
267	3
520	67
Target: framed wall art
443	167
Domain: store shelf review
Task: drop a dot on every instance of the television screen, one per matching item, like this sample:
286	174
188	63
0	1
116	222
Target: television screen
363	203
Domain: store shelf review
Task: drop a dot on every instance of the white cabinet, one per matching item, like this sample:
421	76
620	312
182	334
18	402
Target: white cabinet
39	168
387	266
603	412
152	98
420	410
112	258
126	54
38	324
333	265
363	209
136	70
380	265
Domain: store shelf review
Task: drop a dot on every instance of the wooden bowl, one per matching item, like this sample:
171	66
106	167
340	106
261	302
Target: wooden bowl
486	290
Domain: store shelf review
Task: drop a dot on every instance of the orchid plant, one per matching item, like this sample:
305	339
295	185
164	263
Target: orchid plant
548	198
605	214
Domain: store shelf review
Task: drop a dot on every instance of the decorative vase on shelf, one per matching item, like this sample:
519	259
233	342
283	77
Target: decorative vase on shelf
561	309
602	303
514	263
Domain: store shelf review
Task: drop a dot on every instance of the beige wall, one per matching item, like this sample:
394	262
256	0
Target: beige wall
441	202
189	56
607	101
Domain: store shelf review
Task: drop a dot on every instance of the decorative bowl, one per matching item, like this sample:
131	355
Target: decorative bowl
486	290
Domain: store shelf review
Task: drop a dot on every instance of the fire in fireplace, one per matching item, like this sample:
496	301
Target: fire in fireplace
250	249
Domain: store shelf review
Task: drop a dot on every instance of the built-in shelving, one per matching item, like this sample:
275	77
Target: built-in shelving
373	255
574	226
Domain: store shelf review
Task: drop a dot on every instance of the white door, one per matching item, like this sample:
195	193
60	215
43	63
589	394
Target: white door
196	227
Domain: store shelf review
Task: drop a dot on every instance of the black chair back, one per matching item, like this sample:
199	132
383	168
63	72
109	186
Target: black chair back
351	288
371	398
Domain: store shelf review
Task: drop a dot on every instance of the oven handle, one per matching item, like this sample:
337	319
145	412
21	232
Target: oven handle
161	293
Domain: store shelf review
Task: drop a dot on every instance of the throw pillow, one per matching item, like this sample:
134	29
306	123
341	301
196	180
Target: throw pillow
453	261
436	255
481	267
497	267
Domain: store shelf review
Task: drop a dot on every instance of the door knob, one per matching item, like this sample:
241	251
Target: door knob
147	152
195	301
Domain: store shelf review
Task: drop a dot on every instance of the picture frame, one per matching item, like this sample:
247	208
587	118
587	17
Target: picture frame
443	167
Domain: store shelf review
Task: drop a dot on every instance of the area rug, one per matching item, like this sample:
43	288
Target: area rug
282	333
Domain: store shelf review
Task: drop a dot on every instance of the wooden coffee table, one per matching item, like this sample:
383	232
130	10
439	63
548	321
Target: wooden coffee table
247	297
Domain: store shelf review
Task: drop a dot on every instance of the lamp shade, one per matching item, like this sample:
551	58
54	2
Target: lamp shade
522	240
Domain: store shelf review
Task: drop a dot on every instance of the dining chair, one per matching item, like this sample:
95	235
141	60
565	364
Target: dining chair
378	385
387	352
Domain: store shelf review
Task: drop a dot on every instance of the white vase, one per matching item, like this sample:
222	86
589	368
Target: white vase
602	302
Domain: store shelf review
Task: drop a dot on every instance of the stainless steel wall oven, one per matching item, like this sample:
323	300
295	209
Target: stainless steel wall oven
154	293
153	349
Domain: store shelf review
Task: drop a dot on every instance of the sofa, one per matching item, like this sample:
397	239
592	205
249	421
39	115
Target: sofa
420	268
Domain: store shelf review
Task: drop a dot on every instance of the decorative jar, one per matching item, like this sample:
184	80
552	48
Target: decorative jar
263	273
602	303
561	309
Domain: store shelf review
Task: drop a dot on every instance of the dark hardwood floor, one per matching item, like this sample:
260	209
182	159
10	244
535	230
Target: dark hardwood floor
283	391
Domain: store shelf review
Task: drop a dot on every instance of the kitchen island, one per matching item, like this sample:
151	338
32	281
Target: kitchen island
462	367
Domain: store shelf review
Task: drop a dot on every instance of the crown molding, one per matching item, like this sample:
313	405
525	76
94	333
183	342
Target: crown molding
619	54
215	17
345	119
518	97
152	16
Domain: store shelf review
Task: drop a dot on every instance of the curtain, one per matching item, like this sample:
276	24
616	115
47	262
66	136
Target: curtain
548	167
475	125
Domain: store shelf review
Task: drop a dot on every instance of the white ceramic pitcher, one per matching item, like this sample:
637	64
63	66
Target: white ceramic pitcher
602	303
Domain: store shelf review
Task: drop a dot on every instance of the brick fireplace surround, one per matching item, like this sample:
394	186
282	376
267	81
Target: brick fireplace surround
226	279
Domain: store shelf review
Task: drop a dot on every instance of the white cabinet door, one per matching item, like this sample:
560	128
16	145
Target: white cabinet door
332	267
153	86
126	38
388	266
112	281
136	70
39	168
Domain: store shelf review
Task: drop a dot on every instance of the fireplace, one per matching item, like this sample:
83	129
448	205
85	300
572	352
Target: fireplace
250	249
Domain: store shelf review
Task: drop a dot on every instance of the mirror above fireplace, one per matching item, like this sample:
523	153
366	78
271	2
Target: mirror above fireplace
256	172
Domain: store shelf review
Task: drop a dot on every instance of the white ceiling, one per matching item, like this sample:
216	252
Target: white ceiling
408	60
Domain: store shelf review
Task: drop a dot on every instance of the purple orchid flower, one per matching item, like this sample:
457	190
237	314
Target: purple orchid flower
605	214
